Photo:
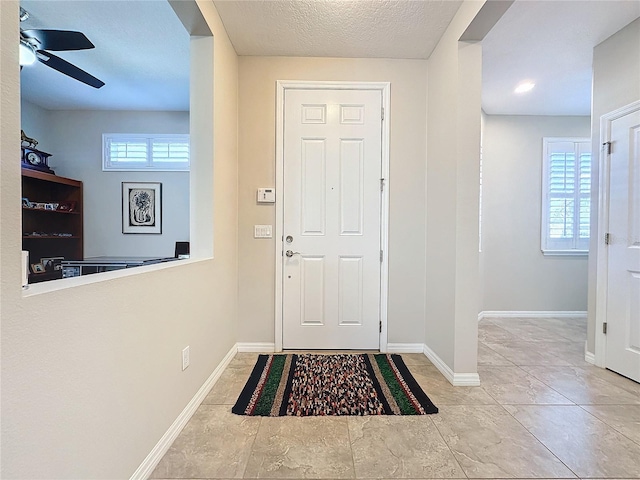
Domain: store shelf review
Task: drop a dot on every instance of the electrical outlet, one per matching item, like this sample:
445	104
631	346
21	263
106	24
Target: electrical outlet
185	357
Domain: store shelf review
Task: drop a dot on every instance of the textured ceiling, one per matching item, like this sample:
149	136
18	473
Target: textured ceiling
142	54
336	28
142	49
550	43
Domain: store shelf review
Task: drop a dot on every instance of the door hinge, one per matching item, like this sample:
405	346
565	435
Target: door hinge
382	184
607	238
604	328
380	325
607	147
382	114
381	255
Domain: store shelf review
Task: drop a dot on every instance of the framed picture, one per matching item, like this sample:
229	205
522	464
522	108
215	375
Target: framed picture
52	264
141	207
37	268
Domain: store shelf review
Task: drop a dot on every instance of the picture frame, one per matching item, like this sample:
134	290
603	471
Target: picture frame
52	264
142	207
37	268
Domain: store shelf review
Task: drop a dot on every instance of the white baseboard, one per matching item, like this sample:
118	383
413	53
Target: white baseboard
256	347
456	379
532	314
588	356
151	462
405	348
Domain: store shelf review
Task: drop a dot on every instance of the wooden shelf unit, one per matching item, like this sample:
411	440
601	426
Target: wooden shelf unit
44	187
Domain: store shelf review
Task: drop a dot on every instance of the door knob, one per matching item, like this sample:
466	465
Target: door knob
290	254
289	239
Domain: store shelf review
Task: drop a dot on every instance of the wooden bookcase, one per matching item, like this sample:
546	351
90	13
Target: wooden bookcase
49	233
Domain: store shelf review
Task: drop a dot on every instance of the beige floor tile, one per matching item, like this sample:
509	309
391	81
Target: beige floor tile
526	353
486	356
489	443
585	444
411	359
615	379
244	359
400	447
544	329
228	387
569	328
488	332
528	330
512	385
214	444
624	418
308	447
583	386
570	352
441	392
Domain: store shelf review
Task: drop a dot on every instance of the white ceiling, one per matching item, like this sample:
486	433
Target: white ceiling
550	43
336	28
142	49
142	55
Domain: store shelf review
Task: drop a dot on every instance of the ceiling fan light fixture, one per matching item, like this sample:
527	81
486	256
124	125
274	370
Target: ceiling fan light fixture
27	53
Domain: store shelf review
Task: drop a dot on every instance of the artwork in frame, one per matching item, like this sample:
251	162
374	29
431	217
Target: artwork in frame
141	207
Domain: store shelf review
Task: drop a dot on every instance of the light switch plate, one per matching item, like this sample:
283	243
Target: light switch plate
262	231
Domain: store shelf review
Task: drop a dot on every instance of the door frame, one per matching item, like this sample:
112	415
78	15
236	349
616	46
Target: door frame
281	87
602	257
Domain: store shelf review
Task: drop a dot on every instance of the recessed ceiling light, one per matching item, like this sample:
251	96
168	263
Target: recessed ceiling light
525	87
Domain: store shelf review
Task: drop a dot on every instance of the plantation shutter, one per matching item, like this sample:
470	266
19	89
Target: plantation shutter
122	151
567	188
170	150
145	152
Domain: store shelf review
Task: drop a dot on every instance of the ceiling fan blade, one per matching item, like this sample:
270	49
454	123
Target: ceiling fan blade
67	68
57	40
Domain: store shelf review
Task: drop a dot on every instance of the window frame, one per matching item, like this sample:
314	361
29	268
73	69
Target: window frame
575	245
149	165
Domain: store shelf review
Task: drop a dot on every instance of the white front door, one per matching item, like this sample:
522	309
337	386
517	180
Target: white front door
332	216
623	289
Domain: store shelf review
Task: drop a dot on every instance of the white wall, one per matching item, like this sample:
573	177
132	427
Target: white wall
36	123
77	154
516	275
258	77
91	374
616	83
452	189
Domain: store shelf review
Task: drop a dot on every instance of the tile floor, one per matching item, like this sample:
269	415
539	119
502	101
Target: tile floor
541	412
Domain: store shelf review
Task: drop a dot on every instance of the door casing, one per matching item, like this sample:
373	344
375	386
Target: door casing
602	262
282	86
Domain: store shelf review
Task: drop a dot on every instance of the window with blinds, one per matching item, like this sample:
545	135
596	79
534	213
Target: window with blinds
566	196
145	152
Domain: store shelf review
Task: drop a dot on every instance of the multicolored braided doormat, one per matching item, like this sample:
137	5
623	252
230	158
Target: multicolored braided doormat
343	384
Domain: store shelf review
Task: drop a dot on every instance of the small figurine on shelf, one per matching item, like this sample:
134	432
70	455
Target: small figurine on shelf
30	142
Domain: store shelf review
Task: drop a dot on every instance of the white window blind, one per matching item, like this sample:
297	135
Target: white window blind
566	195
145	152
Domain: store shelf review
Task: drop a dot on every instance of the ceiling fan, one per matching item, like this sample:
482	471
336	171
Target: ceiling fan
35	43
